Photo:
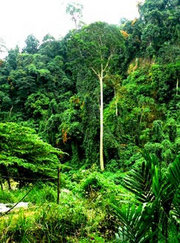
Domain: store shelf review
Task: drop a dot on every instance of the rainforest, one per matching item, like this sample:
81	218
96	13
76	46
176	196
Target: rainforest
90	132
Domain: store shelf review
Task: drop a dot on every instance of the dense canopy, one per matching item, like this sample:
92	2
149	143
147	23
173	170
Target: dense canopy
108	96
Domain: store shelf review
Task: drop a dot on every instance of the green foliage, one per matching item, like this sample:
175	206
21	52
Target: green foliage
75	218
92	184
6	197
31	44
24	153
135	223
37	105
52	222
157	193
41	193
53	88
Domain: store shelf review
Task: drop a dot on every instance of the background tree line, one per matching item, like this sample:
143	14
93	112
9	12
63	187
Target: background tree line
54	88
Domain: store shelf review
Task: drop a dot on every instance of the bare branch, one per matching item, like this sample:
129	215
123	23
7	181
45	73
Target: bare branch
107	63
95	72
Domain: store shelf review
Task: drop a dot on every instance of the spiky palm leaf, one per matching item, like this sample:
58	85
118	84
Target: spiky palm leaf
144	182
170	189
170	199
174	173
135	224
175	212
162	193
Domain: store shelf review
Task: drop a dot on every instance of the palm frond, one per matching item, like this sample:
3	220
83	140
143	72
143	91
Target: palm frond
170	188
135	224
140	181
174	173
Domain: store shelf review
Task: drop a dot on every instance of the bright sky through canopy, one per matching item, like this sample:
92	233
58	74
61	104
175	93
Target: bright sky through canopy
19	18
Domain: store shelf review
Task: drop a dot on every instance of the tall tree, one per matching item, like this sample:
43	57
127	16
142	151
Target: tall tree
31	44
99	46
75	11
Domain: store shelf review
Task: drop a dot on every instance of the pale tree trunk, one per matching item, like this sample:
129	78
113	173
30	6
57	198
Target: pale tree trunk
101	75
116	109
177	86
101	124
116	101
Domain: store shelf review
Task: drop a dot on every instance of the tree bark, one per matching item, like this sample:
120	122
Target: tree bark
177	86
116	101
101	124
58	185
101	77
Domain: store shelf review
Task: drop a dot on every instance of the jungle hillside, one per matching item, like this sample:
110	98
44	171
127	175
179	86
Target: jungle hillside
90	132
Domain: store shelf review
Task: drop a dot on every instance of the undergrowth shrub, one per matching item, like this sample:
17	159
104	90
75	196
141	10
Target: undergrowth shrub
84	214
61	222
42	193
6	197
50	223
92	184
39	194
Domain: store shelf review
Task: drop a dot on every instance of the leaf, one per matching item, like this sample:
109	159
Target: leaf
135	223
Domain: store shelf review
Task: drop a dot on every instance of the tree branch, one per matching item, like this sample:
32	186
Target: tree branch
107	63
95	72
